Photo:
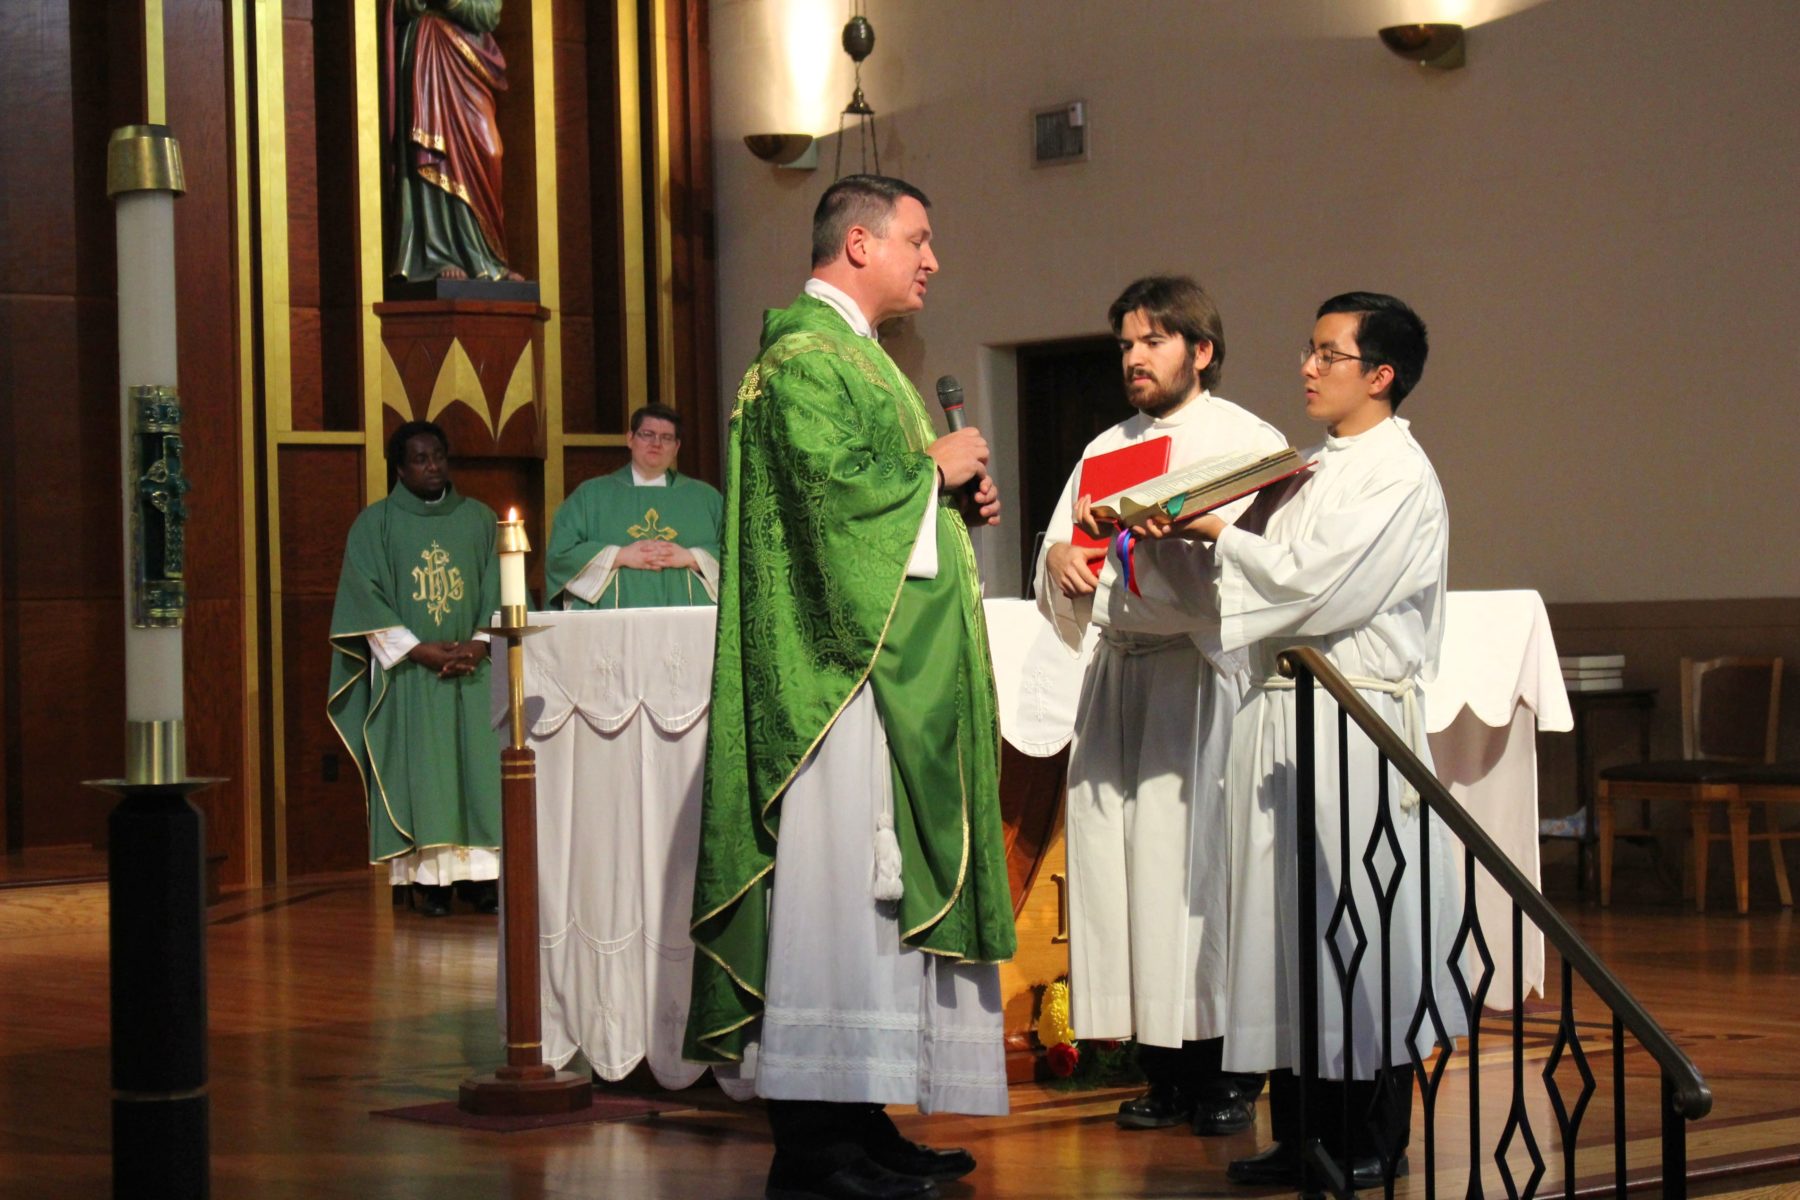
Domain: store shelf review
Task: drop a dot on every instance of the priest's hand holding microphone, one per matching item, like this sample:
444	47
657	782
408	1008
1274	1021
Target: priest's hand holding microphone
961	457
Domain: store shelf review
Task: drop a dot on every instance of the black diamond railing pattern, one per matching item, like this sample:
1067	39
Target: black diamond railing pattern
1471	967
1568	1118
1469	935
1382	835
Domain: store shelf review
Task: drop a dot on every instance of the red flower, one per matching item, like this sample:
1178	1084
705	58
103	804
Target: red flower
1062	1059
1109	1044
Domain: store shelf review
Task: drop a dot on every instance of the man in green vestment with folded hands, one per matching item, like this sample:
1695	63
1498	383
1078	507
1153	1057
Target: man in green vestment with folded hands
851	901
409	676
645	536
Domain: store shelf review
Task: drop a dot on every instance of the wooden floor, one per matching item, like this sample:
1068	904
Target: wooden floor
327	1004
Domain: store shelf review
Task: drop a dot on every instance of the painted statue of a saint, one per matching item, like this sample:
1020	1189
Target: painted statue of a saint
443	71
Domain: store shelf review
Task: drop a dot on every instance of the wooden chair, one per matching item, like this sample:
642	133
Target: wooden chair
1730	717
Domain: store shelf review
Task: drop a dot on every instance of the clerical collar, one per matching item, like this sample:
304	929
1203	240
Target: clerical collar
401	497
839	299
1399	425
658	480
1182	415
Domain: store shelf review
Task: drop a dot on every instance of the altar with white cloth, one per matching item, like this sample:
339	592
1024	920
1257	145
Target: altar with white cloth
616	705
1498	682
615	709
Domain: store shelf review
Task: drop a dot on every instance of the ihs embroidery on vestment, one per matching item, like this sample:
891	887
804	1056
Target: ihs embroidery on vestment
439	582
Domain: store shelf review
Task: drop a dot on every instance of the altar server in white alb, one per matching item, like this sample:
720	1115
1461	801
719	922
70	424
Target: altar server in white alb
1348	558
1146	816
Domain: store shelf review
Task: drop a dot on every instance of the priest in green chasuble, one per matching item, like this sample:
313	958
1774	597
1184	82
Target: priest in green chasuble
409	675
645	536
851	900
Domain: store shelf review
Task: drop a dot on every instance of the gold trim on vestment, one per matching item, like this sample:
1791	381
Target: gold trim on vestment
374	767
763	814
962	870
362	669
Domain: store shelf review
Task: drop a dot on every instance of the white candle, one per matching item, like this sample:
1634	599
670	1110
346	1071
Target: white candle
146	248
512	565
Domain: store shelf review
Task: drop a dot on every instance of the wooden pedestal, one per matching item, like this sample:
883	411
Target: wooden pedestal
526	1085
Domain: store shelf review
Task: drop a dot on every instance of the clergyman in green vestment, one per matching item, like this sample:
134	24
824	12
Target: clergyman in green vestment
851	901
645	536
409	674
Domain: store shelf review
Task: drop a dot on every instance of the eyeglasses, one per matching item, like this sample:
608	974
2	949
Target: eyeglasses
1327	358
657	439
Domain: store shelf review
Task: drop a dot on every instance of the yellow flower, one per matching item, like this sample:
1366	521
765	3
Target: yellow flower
1053	1027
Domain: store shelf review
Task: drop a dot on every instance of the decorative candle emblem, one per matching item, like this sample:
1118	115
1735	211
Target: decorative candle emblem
159	516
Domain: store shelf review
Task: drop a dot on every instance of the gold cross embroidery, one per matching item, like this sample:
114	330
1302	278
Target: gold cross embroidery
652	529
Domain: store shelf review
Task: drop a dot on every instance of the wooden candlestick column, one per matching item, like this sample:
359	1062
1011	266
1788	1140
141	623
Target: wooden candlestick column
526	1085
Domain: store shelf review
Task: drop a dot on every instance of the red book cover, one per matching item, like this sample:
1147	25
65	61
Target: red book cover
1116	470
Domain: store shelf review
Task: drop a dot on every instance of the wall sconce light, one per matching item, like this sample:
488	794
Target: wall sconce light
1440	47
794	151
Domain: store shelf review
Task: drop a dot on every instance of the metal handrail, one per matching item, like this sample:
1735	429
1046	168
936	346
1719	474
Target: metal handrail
1688	1092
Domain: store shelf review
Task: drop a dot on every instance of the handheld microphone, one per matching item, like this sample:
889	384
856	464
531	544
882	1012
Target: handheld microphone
951	397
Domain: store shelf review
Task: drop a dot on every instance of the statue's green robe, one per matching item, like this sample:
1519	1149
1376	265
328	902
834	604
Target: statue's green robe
827	481
612	510
427	750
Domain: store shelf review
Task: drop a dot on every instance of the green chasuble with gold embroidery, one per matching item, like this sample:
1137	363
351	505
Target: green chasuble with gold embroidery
426	747
611	510
827	481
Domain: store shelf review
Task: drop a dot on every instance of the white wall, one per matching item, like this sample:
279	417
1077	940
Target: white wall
1596	218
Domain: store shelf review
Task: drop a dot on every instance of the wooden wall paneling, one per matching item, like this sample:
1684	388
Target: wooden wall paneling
72	719
74	72
581	398
515	117
575	219
198	93
582	463
609	366
64	586
303	269
339	249
320	489
307	384
321	495
502	483
64	441
39	221
327	822
692	248
213	697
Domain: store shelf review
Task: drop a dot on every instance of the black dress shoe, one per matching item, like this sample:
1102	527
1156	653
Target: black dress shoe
485	896
1365	1173
1247	1084
859	1179
902	1157
431	901
1275	1167
1160	1107
1279	1167
1217	1120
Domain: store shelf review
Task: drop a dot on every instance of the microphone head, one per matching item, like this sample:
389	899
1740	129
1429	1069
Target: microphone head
949	392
